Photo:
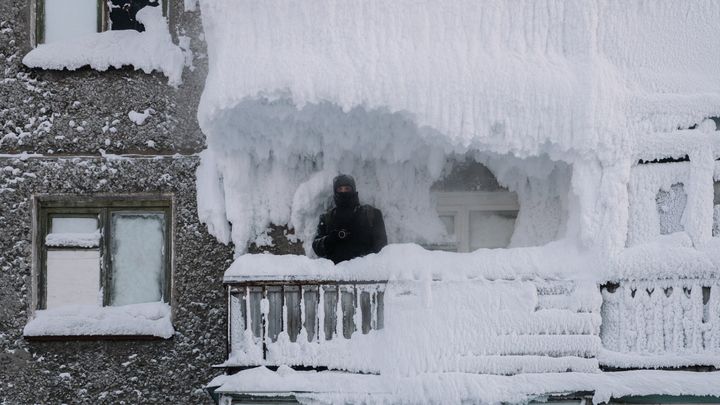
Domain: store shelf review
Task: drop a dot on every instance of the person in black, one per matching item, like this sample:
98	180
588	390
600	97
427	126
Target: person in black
349	230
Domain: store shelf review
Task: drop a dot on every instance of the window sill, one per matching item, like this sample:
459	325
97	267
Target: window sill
85	322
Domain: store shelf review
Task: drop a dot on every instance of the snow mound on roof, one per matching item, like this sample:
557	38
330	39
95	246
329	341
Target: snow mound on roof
150	50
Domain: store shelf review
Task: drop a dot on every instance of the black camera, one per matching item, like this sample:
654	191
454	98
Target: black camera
343	234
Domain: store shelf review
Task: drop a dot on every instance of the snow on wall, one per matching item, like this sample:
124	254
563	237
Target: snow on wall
150	50
387	90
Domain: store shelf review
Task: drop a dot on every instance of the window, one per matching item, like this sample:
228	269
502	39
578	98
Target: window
477	219
670	207
477	212
58	20
106	252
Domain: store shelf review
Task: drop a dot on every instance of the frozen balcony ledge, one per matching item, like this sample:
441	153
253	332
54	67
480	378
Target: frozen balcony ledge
555	261
137	320
340	387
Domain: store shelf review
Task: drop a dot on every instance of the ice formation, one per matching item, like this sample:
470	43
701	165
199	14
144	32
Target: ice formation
150	50
339	387
387	91
561	100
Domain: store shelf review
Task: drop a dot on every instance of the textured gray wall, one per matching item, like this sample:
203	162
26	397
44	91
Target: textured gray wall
158	371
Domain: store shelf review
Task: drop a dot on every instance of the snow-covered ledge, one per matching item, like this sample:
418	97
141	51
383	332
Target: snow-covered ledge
141	320
555	261
150	50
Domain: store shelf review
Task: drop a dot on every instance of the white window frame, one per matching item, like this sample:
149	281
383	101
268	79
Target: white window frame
459	204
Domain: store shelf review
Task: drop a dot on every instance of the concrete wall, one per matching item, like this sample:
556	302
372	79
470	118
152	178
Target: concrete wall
163	161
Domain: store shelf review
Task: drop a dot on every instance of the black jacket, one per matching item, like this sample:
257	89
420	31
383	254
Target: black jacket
366	234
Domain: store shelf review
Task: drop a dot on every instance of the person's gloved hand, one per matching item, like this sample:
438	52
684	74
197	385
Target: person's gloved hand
336	236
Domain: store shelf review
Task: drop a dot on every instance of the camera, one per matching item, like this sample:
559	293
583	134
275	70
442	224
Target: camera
343	234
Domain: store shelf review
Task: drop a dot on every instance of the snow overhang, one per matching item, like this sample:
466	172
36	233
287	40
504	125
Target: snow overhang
297	92
504	76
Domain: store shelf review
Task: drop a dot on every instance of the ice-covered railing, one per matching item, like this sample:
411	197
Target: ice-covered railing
661	323
303	311
437	312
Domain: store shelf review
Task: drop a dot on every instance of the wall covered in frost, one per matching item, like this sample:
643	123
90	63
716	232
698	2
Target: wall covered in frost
386	93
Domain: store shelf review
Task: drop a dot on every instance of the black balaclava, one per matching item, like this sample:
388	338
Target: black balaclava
348	199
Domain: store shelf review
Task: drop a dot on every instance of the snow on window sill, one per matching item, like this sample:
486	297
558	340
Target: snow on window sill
150	50
86	240
137	320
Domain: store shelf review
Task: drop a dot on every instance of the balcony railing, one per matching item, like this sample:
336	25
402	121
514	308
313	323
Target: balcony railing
661	323
264	314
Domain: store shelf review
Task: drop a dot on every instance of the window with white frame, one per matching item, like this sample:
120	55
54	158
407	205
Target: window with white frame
476	211
58	20
107	252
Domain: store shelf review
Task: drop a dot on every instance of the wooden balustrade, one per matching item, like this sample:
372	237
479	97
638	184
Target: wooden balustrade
313	310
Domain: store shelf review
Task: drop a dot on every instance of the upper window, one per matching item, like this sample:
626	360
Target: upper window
58	20
477	212
107	253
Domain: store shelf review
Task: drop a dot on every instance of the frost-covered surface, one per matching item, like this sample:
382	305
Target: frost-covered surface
384	92
150	50
86	240
443	312
338	387
149	319
669	323
412	262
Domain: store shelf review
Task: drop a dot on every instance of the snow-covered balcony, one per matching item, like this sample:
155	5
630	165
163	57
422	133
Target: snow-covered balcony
558	100
409	310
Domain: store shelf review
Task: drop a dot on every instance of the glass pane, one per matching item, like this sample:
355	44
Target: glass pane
73	277
670	207
73	225
491	229
138	257
123	14
65	19
449	222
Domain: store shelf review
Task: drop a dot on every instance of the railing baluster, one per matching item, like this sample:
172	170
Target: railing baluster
236	320
348	311
321	314
373	308
310	311
365	310
276	319
380	309
293	311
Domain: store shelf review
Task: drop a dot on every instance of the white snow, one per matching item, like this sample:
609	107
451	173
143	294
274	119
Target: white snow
139	117
556	98
150	50
148	319
339	387
85	240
